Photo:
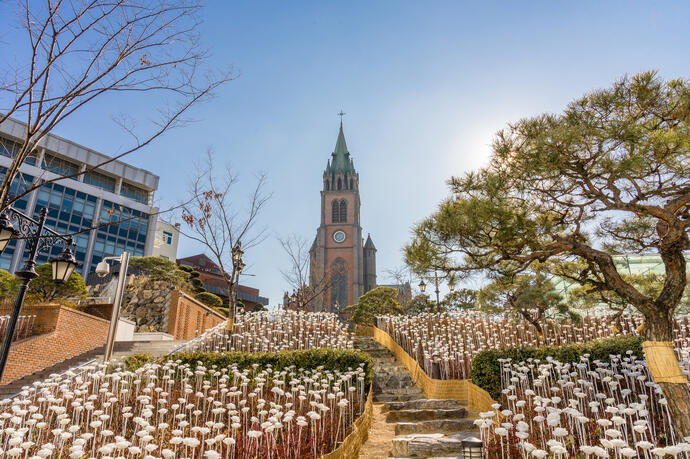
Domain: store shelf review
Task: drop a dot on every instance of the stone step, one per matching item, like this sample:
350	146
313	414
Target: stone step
393	382
429	445
404	391
425	415
382	398
425	404
435	426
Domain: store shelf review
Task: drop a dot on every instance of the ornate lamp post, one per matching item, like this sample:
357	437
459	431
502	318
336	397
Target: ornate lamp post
39	238
422	288
238	266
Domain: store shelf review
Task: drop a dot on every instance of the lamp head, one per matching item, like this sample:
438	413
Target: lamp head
64	265
7	231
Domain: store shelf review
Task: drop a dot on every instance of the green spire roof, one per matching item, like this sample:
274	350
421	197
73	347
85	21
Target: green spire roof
341	161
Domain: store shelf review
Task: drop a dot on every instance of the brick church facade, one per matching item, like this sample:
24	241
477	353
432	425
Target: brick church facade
342	264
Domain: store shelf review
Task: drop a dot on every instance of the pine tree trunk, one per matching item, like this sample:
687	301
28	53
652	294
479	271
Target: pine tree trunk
678	399
677	395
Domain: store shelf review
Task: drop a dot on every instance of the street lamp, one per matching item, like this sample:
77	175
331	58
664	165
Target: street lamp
63	265
438	302
102	270
422	286
451	283
7	231
39	238
238	266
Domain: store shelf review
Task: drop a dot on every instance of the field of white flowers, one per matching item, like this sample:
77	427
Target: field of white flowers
178	408
584	409
276	331
454	340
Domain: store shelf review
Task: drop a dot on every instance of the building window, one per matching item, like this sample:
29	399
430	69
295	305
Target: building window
343	211
351	183
100	180
340	184
339	211
9	148
68	211
328	185
133	192
127	230
335	211
59	166
167	237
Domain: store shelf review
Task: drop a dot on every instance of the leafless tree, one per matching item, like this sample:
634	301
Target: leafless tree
78	51
307	288
214	217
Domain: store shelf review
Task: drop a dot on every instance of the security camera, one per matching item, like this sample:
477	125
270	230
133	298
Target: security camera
102	269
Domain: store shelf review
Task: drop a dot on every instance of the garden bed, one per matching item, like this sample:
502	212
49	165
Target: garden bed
282	405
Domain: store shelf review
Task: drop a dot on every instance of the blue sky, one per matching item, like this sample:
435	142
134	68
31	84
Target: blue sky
425	86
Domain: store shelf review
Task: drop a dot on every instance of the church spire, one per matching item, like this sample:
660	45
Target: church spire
341	161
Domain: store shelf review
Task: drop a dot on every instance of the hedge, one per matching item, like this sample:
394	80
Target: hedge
209	299
486	369
326	359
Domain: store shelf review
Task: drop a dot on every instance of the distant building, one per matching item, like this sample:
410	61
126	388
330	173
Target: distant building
166	240
212	277
339	256
115	192
648	263
404	291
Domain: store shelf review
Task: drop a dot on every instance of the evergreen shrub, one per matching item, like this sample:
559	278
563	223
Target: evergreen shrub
325	359
486	369
209	299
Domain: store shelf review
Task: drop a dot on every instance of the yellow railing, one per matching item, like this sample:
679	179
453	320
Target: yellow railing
350	447
458	389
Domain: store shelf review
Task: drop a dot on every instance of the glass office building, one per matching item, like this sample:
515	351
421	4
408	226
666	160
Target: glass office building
116	200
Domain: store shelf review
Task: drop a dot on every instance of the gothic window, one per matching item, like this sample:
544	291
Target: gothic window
343	211
338	211
338	285
340	184
335	211
351	182
328	185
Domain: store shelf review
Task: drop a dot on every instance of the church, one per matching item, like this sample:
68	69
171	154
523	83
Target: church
342	266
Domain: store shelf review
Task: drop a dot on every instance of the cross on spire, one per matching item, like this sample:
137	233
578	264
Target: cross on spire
341	114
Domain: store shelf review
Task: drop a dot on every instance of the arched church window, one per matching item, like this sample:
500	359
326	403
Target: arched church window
343	211
340	184
338	285
335	211
351	182
328	185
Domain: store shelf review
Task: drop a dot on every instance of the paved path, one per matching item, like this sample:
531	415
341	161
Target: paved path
406	424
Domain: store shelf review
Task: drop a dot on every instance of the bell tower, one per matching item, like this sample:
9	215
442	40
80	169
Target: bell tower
338	266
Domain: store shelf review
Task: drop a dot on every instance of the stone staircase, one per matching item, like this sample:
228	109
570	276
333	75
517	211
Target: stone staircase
428	428
121	349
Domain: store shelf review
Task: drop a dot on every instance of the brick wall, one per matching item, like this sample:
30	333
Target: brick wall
75	332
46	316
189	318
